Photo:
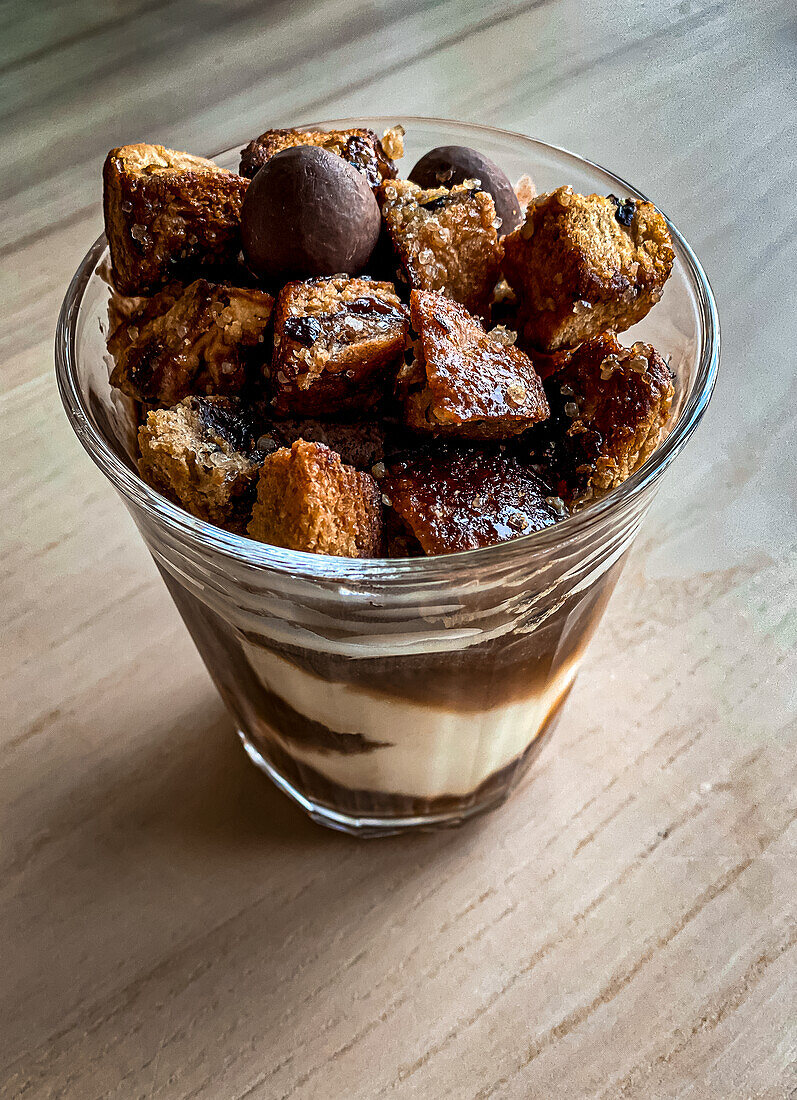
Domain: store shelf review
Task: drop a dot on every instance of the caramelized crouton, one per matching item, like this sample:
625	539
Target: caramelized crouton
334	340
461	500
360	444
445	240
359	147
609	407
202	455
583	264
201	344
128	316
308	500
467	382
167	214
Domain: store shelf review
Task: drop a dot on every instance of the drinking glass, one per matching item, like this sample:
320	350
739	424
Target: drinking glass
391	695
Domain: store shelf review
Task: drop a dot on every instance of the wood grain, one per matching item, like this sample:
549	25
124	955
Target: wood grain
625	926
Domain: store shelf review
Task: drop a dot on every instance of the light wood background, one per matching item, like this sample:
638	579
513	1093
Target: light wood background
625	927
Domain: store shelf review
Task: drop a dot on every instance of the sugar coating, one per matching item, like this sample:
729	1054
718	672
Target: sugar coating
525	191
335	340
467	382
193	340
127	316
452	500
445	239
610	405
341	420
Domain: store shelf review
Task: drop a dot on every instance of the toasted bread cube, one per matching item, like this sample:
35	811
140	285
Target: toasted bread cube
360	444
582	264
335	341
202	455
359	147
168	214
308	500
128	316
609	408
467	382
202	344
454	500
445	240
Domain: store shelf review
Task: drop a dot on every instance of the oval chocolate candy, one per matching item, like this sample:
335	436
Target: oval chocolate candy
307	213
450	164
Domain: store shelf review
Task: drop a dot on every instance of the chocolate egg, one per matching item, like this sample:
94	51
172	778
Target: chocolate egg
307	212
450	164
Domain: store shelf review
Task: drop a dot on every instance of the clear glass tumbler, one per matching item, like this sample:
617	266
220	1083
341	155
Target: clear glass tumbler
382	695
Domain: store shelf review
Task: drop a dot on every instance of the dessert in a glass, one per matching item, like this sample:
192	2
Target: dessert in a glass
388	434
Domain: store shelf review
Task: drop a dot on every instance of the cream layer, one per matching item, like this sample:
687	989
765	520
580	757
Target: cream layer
430	751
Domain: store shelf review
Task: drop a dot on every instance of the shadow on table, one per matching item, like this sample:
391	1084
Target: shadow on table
176	870
218	797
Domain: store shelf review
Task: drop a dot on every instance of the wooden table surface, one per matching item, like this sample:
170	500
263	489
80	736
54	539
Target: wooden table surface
625	927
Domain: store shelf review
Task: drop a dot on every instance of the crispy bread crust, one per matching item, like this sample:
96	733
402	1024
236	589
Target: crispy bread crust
201	454
454	500
583	264
336	342
167	214
201	343
610	405
445	240
340	420
359	147
308	500
472	385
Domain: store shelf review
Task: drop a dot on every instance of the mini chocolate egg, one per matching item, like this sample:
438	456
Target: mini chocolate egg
450	164
308	212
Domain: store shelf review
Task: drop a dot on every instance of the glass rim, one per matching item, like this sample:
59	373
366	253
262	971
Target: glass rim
246	551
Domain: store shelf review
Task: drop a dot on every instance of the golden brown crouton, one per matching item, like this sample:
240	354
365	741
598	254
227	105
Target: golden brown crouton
460	500
201	344
202	455
359	147
466	382
335	342
584	264
308	500
167	214
445	240
128	316
609	406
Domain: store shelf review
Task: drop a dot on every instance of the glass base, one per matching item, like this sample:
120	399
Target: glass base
368	827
